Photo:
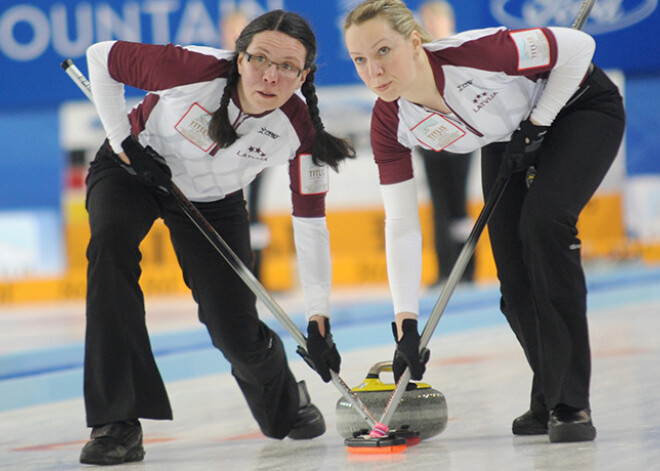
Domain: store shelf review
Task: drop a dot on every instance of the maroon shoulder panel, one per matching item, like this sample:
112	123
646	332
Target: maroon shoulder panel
393	158
156	67
494	52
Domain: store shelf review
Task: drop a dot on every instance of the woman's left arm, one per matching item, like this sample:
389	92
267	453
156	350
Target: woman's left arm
575	50
312	243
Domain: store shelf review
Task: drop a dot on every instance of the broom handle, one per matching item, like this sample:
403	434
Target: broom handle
453	280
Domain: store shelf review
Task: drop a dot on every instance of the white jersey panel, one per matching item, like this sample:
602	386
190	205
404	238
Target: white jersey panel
178	130
497	104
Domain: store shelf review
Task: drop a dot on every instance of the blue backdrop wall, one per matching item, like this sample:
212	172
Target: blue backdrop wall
37	35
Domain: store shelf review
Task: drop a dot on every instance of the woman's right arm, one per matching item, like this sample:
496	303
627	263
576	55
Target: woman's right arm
149	67
108	94
403	244
403	235
403	247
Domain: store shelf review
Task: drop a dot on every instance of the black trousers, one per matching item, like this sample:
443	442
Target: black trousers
447	175
536	246
122	380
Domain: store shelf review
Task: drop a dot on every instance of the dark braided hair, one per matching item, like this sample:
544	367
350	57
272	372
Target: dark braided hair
326	148
220	129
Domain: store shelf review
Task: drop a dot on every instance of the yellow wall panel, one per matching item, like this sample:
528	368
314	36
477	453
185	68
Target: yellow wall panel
357	247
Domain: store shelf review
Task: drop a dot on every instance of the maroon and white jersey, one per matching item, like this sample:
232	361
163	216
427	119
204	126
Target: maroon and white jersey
185	85
491	80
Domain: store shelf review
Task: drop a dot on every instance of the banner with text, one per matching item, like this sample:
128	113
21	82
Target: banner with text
37	35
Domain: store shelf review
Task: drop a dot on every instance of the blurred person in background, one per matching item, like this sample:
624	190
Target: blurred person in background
231	25
446	172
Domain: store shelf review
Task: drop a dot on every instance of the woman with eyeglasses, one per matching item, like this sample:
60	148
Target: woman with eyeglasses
212	119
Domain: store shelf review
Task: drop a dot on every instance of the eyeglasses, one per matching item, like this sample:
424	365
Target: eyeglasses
262	63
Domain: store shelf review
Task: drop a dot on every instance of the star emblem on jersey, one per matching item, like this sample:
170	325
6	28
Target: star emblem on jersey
479	96
253	152
482	99
257	150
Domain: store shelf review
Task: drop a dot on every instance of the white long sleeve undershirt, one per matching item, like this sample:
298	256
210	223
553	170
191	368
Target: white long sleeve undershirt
108	94
312	242
575	50
403	244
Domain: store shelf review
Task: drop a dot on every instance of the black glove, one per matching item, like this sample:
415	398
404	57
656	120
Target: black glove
523	147
322	350
148	165
407	352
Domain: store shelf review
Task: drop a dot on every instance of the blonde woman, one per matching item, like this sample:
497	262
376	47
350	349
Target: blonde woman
527	98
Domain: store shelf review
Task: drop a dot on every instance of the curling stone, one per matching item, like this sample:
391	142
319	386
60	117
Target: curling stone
422	408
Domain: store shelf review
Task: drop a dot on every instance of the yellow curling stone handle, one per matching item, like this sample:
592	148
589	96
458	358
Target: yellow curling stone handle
373	383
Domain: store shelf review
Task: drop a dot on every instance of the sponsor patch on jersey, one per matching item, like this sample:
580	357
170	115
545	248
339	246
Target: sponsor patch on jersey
314	179
194	126
533	48
437	132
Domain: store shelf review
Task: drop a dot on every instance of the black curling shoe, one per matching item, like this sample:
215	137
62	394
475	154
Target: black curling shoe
310	422
114	443
529	424
567	424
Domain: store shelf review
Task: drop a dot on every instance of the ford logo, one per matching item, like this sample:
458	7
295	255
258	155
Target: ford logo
606	15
